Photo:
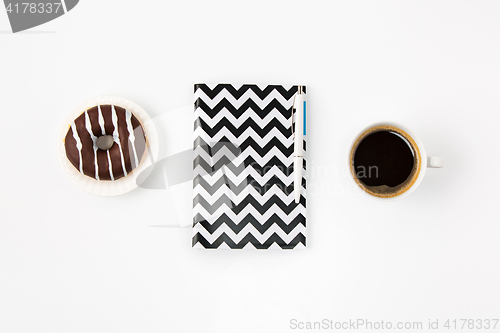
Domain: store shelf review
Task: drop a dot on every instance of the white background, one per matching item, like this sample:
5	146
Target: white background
72	262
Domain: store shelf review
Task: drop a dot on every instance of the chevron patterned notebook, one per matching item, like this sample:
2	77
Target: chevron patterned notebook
243	169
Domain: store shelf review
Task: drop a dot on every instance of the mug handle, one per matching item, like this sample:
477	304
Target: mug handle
435	162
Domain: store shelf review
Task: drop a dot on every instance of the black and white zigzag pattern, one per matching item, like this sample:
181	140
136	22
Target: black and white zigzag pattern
243	169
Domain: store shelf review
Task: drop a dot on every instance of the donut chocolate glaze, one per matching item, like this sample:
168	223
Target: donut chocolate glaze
125	153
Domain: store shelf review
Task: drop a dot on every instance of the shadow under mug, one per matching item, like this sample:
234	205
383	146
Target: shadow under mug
420	161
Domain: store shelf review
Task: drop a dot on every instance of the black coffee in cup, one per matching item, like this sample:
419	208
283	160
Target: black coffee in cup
385	161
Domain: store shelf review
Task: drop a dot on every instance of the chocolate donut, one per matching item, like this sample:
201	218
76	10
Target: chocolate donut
126	151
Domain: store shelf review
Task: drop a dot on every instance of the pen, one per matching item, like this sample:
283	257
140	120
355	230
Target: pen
299	105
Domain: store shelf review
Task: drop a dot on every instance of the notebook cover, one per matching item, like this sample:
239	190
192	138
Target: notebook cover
243	169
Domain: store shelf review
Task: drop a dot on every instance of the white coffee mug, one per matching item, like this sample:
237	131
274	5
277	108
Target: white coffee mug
418	150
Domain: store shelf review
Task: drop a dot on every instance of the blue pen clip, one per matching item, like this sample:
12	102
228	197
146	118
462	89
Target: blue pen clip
304	117
304	114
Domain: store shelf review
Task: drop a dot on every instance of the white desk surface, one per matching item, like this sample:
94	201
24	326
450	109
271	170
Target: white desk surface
71	262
